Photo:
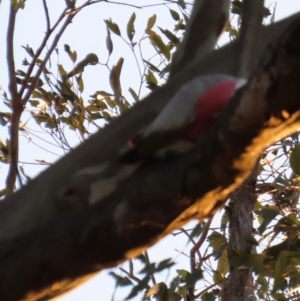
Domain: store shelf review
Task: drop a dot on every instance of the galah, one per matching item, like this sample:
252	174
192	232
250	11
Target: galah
186	117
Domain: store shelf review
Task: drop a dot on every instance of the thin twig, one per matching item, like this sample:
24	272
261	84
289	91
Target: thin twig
38	52
43	64
205	290
199	243
191	239
10	52
46	15
131	276
39	163
28	132
149	264
70	15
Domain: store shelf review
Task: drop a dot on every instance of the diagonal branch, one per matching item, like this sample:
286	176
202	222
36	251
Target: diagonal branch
70	16
203	30
113	137
47	56
47	16
18	103
136	215
39	51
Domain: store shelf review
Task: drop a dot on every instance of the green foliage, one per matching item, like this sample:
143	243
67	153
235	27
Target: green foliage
18	4
174	14
133	94
29	50
120	281
216	240
187	279
151	80
222	268
208	297
4	151
90	59
265	215
114	78
158	42
130	27
173	39
197	230
72	54
113	27
109	43
150	23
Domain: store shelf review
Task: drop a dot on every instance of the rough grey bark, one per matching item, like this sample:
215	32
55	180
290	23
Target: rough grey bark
18	217
56	243
239	285
208	19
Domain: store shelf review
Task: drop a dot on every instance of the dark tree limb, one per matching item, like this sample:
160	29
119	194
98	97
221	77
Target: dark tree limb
240	281
18	216
207	22
250	35
55	242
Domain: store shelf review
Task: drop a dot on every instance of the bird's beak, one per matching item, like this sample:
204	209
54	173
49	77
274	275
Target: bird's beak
240	82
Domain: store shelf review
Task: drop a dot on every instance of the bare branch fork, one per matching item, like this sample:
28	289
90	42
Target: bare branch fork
18	99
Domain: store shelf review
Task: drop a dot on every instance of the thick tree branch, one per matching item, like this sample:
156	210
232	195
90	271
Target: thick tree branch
53	238
252	15
40	192
239	212
240	282
203	30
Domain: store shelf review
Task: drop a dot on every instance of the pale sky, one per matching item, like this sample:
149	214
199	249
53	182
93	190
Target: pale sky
87	34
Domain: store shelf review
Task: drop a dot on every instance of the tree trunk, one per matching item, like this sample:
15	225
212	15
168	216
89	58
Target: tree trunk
239	285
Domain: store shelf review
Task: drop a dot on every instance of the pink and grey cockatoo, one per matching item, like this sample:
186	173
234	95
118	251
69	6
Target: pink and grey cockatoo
186	117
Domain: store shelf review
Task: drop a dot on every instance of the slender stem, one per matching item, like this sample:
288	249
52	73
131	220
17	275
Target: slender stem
70	16
14	146
10	52
199	243
46	15
149	264
38	52
43	64
17	107
18	103
131	276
